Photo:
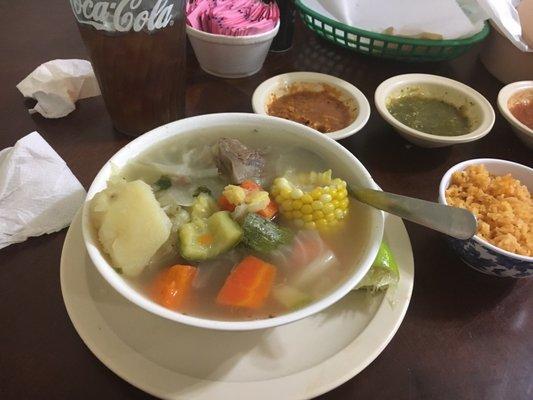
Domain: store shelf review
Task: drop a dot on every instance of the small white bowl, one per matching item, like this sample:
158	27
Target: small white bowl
352	97
503	60
524	133
213	126
477	252
231	56
476	107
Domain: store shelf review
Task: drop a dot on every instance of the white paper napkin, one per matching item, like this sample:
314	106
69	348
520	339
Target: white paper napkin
58	84
38	192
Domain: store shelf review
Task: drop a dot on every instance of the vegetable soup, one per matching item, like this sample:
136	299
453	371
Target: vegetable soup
241	226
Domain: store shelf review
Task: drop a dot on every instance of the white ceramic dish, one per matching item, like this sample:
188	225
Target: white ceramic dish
505	96
503	60
213	126
352	97
230	56
475	106
174	361
477	252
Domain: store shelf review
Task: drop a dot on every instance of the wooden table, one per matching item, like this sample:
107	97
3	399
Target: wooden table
465	336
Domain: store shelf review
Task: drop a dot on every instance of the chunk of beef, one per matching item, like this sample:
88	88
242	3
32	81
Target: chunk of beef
238	162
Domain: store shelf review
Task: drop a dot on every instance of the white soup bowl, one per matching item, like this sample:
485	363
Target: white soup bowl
211	127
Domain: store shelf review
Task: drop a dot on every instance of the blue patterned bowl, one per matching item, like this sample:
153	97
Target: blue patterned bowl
478	253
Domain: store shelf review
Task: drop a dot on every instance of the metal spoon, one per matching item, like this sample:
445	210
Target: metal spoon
452	221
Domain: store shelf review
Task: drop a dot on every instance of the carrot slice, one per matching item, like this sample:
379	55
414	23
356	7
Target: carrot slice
224	203
248	285
172	286
269	211
250	185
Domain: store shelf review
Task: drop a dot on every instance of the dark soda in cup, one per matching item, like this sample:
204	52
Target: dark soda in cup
137	49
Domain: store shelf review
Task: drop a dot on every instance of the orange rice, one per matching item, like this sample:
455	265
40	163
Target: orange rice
502	205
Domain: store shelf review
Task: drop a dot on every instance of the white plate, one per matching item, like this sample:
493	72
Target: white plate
173	361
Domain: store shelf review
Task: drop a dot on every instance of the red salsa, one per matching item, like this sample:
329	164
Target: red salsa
521	106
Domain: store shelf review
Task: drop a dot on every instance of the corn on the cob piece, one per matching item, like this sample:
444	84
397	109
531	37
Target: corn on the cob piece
313	200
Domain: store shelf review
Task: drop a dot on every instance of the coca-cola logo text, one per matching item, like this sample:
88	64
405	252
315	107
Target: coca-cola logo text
123	15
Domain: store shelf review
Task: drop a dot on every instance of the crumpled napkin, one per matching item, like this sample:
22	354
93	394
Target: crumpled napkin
58	84
38	192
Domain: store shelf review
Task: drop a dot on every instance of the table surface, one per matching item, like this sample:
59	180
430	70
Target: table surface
465	336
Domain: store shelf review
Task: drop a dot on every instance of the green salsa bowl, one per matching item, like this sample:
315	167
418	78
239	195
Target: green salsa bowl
443	95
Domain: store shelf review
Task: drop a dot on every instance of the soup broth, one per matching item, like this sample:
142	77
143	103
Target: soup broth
310	247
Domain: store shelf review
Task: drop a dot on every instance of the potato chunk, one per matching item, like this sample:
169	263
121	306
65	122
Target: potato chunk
130	223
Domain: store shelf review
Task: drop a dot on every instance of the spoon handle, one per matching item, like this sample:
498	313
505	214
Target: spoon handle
452	221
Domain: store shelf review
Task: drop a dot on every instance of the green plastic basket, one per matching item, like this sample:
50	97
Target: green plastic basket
386	46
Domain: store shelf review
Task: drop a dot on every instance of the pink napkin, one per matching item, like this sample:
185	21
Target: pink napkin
232	17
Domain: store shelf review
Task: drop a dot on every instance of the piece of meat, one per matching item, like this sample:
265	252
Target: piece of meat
238	162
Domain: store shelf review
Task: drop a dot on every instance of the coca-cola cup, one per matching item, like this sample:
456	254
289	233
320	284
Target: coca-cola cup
137	49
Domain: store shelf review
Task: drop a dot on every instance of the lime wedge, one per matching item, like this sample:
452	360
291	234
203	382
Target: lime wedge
384	271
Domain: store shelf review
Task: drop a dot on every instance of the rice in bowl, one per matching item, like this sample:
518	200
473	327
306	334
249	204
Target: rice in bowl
502	205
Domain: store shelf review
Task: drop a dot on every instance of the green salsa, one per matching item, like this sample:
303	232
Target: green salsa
429	115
